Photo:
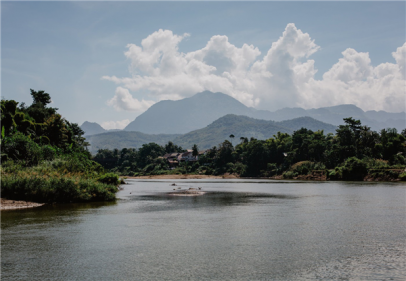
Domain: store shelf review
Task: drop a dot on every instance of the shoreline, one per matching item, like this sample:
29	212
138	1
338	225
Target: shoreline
312	177
174	177
16	204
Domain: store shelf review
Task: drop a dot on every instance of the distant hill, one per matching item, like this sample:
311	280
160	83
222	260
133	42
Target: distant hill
92	128
200	110
308	123
122	139
215	133
182	116
243	126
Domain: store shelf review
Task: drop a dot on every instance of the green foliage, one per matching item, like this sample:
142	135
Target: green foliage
21	147
353	169
44	157
171	148
38	188
289	175
402	176
109	178
349	154
306	167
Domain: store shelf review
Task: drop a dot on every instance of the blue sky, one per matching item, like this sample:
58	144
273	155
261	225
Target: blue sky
65	48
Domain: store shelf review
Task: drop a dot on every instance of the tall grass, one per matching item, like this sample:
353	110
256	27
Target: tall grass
59	180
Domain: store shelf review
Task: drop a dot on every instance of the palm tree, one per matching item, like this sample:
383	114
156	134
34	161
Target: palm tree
231	138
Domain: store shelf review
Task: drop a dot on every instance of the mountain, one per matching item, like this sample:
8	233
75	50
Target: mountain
182	116
308	123
92	128
221	129
243	126
123	139
211	135
200	110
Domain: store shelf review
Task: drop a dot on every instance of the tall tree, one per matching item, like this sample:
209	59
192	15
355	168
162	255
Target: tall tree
195	150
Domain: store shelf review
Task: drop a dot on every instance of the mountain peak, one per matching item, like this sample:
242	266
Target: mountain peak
185	115
92	128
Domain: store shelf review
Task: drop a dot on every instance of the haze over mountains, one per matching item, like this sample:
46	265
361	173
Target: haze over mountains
208	118
211	135
198	111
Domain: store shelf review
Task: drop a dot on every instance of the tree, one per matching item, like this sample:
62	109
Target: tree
40	97
195	152
170	148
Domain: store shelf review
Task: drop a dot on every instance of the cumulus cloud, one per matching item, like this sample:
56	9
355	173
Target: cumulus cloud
123	100
283	77
354	80
109	125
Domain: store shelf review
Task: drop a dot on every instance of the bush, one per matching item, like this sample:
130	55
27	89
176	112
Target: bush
352	169
402	176
47	189
48	153
109	178
22	148
289	175
306	167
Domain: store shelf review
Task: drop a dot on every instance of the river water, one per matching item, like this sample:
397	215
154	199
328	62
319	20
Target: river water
238	230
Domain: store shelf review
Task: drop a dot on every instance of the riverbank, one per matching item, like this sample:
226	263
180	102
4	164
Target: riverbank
314	176
14	204
186	176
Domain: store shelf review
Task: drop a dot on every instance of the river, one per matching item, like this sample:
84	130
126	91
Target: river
238	230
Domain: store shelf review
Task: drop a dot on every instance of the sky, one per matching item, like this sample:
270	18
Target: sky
107	62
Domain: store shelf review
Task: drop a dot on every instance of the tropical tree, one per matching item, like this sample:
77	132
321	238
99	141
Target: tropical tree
195	151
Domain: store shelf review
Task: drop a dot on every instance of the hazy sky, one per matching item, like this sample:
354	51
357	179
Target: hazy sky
107	62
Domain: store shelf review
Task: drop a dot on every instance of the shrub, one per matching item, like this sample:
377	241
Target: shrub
21	147
352	169
109	178
32	186
48	153
402	176
306	167
289	175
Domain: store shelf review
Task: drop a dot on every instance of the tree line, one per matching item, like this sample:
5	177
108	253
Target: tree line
44	157
350	154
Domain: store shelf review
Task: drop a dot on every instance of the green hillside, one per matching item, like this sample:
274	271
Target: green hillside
213	134
221	129
308	123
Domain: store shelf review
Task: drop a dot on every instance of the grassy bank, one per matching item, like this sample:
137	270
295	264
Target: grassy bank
60	180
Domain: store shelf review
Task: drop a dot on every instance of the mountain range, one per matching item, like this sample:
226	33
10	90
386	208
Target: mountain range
211	135
208	118
198	111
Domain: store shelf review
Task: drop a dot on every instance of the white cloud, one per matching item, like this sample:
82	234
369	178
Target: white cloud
109	125
123	100
354	80
283	77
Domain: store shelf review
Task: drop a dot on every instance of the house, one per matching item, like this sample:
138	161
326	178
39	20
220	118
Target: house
188	156
173	158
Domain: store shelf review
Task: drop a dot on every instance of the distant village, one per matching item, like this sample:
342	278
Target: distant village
176	157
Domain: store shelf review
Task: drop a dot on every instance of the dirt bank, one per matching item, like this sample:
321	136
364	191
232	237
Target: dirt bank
13	204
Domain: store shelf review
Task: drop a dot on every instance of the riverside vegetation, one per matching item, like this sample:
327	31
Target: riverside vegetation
44	156
355	152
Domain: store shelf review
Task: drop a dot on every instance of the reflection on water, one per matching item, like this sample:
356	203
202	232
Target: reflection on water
238	230
167	201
